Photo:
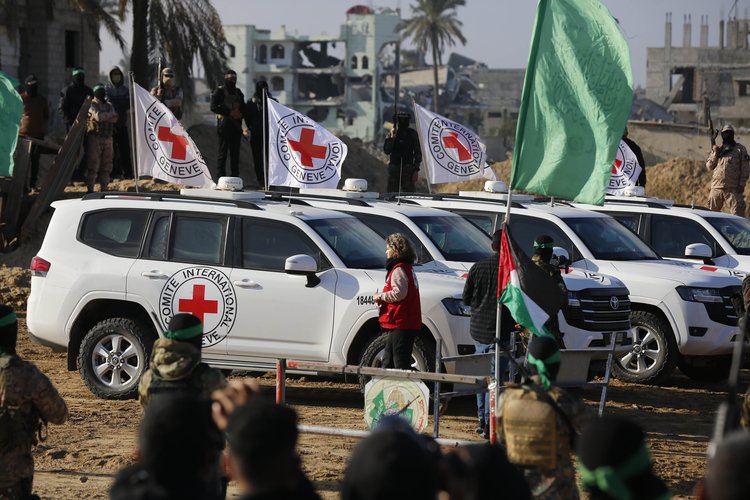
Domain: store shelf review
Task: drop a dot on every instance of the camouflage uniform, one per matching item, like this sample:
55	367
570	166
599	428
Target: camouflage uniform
25	390
549	483
99	149
176	366
171	96
731	170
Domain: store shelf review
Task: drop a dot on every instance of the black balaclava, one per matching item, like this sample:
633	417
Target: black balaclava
8	329
78	76
403	121
230	80
543	247
99	92
727	137
259	86
115	76
32	86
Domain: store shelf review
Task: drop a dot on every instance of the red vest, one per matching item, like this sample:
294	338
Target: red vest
406	314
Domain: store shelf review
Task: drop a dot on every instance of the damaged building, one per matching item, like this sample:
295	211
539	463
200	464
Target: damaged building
332	79
688	79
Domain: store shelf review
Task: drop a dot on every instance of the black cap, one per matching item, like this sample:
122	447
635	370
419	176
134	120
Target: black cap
543	242
31	80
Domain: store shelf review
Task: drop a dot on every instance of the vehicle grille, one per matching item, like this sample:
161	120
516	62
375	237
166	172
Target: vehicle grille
724	312
596	312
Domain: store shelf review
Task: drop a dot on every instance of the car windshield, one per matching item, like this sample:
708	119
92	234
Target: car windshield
607	239
358	246
457	238
735	230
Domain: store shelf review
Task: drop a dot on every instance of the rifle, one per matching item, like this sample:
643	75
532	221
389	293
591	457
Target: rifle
728	414
159	84
711	130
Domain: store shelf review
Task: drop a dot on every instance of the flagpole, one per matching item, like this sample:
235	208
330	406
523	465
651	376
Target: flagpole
419	133
266	114
132	129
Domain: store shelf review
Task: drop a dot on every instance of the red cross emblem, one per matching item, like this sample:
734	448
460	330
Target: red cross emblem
179	142
451	141
616	165
307	148
198	305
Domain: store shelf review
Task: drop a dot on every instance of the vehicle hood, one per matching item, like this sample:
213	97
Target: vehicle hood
580	279
684	273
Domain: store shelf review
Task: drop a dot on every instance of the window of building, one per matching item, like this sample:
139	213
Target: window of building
72	49
231	50
681	85
744	88
277	83
262	56
354	62
277	51
365	62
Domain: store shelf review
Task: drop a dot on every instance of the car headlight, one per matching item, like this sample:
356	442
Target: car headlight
456	307
573	300
706	295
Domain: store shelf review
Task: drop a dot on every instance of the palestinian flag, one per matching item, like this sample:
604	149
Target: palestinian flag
529	293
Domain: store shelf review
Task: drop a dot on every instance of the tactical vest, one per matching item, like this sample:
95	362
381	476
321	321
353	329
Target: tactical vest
191	384
533	437
104	129
18	423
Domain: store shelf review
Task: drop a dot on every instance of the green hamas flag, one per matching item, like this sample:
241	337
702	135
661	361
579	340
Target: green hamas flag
11	107
577	96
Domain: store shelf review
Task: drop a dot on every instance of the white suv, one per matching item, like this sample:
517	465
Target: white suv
268	280
447	243
682	232
680	313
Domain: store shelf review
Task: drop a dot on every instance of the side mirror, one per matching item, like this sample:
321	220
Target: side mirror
699	251
303	265
560	255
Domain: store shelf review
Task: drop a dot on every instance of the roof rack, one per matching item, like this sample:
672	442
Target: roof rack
168	196
299	196
277	196
694	207
556	201
445	197
641	202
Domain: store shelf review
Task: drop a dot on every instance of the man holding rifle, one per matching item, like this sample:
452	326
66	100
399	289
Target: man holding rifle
730	165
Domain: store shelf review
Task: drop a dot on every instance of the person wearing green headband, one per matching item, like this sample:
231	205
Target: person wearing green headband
542	257
536	422
27	398
99	145
614	462
176	363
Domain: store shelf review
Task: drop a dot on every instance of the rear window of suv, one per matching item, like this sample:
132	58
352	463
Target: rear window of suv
116	232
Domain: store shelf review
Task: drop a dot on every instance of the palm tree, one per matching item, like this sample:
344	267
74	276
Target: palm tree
434	25
177	31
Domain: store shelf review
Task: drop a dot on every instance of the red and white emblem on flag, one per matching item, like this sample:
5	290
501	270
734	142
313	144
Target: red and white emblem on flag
301	152
625	170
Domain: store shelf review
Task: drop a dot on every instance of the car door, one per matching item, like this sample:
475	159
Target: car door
279	316
669	235
183	269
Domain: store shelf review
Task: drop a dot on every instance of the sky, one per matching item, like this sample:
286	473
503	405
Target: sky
497	31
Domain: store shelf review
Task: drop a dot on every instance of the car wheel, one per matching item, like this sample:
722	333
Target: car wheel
707	369
422	356
653	355
113	356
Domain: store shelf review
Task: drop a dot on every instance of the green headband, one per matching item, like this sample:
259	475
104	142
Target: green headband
8	319
97	87
184	333
543	245
77	72
611	480
541	367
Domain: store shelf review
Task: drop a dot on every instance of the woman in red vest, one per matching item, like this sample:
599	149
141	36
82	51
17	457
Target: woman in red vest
400	311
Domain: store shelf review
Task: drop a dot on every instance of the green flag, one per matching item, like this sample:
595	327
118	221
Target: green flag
11	107
576	99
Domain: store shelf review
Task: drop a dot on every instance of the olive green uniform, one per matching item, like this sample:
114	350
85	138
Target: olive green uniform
731	169
26	396
538	439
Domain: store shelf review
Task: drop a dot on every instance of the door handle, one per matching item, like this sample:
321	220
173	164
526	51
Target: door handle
246	284
155	275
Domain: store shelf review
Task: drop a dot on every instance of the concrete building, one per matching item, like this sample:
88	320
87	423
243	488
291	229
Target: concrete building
678	77
335	80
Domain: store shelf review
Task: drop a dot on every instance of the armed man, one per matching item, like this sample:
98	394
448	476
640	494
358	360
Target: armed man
537	424
405	156
28	401
176	363
730	165
542	257
168	92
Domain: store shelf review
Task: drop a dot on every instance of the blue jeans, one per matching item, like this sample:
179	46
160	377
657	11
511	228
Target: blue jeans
483	399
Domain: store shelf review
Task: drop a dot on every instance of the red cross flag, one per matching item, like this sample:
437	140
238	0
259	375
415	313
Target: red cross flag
452	152
625	170
301	152
163	148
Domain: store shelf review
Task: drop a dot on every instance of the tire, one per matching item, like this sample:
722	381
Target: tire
654	354
709	369
113	356
422	355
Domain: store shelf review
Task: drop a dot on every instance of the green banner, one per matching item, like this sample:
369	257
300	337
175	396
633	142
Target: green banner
11	108
576	100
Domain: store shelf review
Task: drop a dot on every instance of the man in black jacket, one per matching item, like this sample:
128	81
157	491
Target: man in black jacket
256	116
72	97
480	293
228	103
402	144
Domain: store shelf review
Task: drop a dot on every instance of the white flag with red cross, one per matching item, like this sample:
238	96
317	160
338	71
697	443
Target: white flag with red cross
451	152
301	153
164	149
625	170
